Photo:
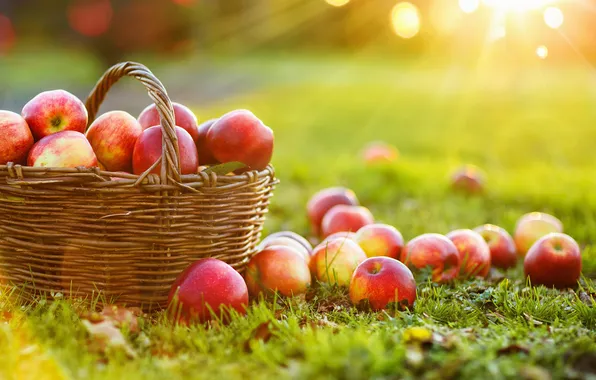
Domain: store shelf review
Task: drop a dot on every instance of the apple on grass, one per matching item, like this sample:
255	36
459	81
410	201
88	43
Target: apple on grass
55	111
531	227
344	218
279	269
205	154
183	117
468	179
148	150
321	202
208	289
380	240
286	242
16	139
379	152
434	251
340	235
334	261
240	136
383	281
66	149
474	253
554	261
292	235
113	136
501	245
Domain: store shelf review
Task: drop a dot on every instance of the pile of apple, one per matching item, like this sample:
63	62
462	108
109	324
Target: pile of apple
372	260
52	132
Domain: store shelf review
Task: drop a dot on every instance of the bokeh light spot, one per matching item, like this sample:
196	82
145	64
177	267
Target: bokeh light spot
469	6
186	3
7	34
542	52
90	18
553	17
337	3
405	20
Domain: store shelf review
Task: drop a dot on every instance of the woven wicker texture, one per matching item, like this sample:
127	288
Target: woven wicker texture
85	232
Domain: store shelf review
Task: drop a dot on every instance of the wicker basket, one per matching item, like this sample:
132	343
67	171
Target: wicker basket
87	232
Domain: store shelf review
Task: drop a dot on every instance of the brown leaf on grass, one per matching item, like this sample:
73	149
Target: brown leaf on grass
263	332
106	336
122	317
586	298
513	349
320	323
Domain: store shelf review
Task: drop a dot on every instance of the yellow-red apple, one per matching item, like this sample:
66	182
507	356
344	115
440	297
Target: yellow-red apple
379	152
531	227
16	138
380	240
324	200
148	149
279	269
502	247
468	179
55	111
206	289
334	261
383	281
474	253
344	218
113	136
434	251
240	136
294	236
183	117
286	242
554	260
66	149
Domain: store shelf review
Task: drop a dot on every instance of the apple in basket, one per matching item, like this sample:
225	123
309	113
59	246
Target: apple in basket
66	149
240	136
324	200
16	138
55	111
113	136
183	117
148	149
208	289
205	154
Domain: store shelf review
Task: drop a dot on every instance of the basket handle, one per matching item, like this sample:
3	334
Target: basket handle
170	159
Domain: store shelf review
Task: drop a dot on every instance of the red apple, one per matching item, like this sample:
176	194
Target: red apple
113	136
382	281
277	268
286	242
241	136
334	261
434	251
183	117
205	155
554	261
379	152
531	227
345	218
380	240
66	149
292	235
207	287
474	254
324	200
148	149
340	235
468	179
502	248
55	111
16	138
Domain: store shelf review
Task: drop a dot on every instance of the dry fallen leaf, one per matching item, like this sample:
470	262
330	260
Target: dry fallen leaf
108	336
262	332
512	349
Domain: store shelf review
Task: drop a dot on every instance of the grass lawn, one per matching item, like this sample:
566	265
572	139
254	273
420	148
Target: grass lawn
532	130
